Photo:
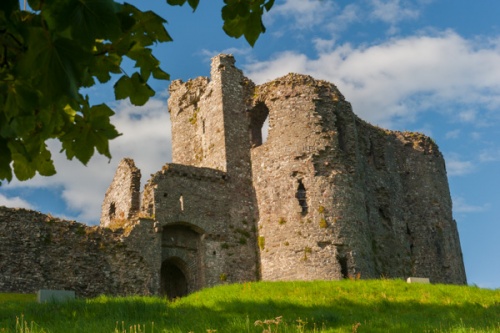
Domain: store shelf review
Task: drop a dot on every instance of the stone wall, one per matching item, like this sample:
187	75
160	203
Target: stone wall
326	196
38	251
122	199
199	200
338	197
208	188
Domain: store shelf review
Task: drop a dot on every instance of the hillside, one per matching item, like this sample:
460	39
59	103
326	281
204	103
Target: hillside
321	306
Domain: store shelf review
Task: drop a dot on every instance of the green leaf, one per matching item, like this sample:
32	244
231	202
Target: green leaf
35	4
235	27
148	27
268	5
176	2
194	4
147	63
28	159
8	6
5	170
87	20
91	130
21	100
229	12
56	67
254	28
45	165
244	18
103	130
133	87
23	168
104	64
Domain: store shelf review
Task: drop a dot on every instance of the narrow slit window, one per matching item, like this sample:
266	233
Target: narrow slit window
112	210
301	196
181	200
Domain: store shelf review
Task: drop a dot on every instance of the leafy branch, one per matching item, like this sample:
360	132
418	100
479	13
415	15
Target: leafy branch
48	54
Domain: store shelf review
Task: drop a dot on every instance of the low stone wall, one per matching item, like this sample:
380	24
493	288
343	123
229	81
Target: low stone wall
39	251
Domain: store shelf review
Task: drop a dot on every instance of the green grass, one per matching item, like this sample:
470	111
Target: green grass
321	306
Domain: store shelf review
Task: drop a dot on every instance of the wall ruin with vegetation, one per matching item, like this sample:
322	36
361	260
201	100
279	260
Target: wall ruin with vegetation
38	251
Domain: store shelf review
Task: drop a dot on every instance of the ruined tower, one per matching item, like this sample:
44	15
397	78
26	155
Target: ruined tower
203	203
338	197
325	196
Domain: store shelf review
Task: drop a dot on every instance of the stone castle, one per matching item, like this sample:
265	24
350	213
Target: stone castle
324	196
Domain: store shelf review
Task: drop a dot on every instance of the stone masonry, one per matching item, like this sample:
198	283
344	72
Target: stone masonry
324	196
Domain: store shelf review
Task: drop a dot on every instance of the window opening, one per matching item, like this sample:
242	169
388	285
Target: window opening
342	260
112	210
181	200
259	124
301	197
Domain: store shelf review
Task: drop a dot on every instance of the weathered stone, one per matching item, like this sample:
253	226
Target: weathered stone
39	251
418	280
326	196
44	295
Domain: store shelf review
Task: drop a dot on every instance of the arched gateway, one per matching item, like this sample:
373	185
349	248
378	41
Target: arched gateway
174	282
180	269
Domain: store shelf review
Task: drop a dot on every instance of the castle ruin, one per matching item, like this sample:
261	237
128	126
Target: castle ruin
324	196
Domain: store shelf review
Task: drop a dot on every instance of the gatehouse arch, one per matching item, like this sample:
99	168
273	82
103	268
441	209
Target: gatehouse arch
181	271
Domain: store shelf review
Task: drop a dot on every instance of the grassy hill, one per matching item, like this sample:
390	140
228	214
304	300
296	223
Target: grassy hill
320	306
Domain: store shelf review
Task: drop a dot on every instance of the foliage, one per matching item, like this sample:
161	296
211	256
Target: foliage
320	306
52	51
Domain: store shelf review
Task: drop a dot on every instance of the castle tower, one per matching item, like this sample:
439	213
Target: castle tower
204	203
338	197
209	119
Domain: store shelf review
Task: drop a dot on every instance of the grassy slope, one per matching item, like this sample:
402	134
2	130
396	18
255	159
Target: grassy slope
326	306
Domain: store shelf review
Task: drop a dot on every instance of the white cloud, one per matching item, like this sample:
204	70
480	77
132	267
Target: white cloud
146	139
208	54
454	134
468	116
490	155
391	82
392	11
460	206
16	202
305	13
334	17
458	167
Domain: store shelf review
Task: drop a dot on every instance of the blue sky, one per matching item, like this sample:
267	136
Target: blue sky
423	65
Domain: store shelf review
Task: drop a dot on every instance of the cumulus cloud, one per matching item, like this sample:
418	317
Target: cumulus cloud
305	13
455	166
391	82
461	206
490	155
454	134
14	202
392	11
146	139
334	17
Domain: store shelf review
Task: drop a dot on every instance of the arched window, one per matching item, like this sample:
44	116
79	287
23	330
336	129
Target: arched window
258	124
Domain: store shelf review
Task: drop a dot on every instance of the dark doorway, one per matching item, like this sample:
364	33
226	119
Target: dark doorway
173	280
